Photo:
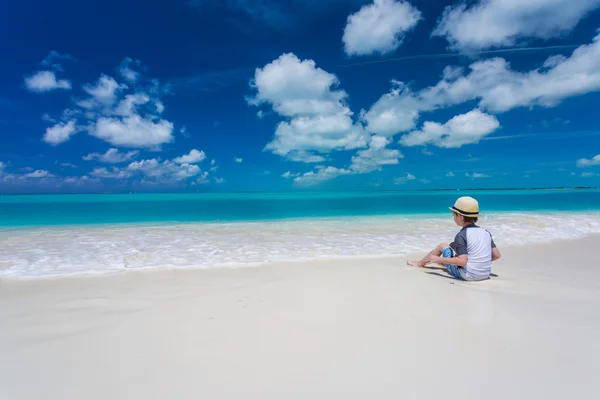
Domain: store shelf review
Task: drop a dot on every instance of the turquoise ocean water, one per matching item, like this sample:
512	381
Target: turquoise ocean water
48	235
49	210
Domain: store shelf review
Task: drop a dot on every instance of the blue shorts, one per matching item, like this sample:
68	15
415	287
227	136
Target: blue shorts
452	269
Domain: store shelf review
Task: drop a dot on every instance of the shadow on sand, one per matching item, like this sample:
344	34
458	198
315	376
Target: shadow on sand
444	274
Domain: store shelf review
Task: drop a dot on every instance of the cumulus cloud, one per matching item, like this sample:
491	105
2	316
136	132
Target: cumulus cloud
166	169
117	117
104	91
40	173
134	131
403	179
379	27
317	117
476	175
304	156
153	171
364	162
496	86
322	174
238	160
127	72
193	157
113	173
203	179
396	111
589	174
45	81
495	23
53	59
450	174
59	133
112	156
462	129
376	155
289	174
585	162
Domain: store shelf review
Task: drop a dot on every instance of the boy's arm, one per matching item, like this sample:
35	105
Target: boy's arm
495	251
495	254
459	261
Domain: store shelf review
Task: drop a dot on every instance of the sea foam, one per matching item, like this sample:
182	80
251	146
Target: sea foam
44	252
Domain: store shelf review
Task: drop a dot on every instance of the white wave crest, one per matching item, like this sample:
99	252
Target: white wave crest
43	252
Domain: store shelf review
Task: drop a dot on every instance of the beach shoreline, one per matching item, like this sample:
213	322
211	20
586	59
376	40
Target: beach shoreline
323	329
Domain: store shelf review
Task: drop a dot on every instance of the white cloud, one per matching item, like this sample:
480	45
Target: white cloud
213	161
396	111
493	82
59	133
105	90
114	173
120	118
52	60
462	129
129	105
364	162
318	120
184	132
127	72
379	27
40	173
372	158
2	166
193	157
476	175
153	171
585	162
238	160
426	152
112	156
294	87
589	174
304	156
80	180
322	133
45	81
203	179
322	174
450	174
167	169
66	164
501	89
495	23
404	179
288	174
133	131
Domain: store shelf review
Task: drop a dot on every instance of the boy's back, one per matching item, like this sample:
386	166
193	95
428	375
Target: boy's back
477	243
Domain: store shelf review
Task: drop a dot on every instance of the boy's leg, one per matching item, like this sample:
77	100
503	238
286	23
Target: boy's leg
437	251
451	268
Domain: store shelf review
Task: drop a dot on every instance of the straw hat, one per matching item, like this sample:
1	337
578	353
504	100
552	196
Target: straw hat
466	206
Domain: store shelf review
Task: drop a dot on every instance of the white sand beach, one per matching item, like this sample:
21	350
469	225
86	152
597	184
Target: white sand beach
344	329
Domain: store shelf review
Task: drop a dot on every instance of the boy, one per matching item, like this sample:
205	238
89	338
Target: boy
470	256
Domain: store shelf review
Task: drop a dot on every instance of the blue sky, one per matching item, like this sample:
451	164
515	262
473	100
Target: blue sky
237	95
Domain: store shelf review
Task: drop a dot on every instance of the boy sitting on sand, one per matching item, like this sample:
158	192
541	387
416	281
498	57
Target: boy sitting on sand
470	256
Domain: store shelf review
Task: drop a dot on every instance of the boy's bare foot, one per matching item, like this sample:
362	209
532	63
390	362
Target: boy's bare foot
414	264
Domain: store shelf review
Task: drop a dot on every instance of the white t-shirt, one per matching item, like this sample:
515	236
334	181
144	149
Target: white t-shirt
477	243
